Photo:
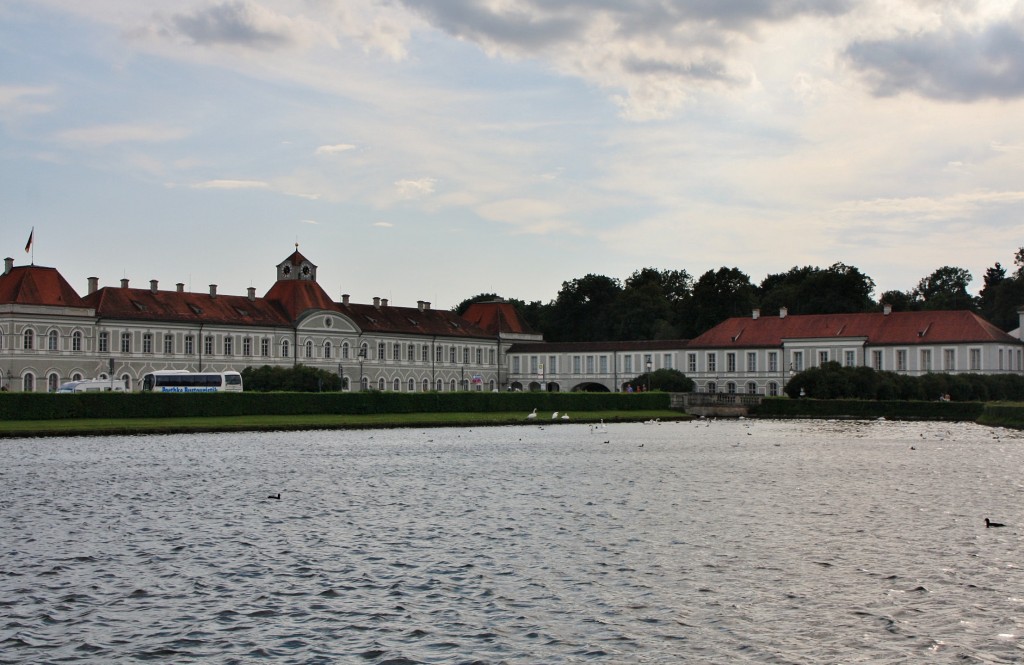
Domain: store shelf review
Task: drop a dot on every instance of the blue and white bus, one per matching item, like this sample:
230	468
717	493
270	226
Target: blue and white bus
176	381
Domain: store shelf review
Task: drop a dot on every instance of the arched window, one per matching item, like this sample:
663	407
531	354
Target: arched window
29	340
426	385
364	351
76	340
52	341
412	385
327	349
309	348
76	376
52	383
344	350
364	383
490	386
380	384
396	385
451	386
730	388
751	388
440	385
773	389
284	349
28	382
126	381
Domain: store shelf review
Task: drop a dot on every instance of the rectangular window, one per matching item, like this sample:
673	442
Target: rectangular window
396	351
949	359
876	359
691	363
208	345
76	341
590	364
381	351
534	365
515	364
104	342
926	360
603	364
425	354
247	346
975	359
712	362
229	345
410	353
479	356
465	355
666	360
492	359
798	361
627	364
147	342
576	368
901	360
439	354
773	362
452	354
168	344
730	362
265	347
126	342
552	364
751	361
849	358
190	345
822	357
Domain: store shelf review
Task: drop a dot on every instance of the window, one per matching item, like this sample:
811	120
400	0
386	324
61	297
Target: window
439	355
798	361
822	358
602	364
285	348
309	348
901	360
28	339
975	359
103	343
344	350
479	356
627	364
751	361
364	383
396	352
949	359
465	355
265	347
424	356
410	354
730	362
229	345
926	360
648	362
168	344
515	364
576	360
751	388
381	351
52	383
190	345
412	382
773	361
712	364
590	364
396	384
849	357
208	345
691	362
364	351
451	355
52	341
426	385
76	376
666	361
147	342
247	346
440	386
76	340
451	385
876	359
730	388
492	358
773	389
328	348
712	387
534	366
28	382
380	384
126	342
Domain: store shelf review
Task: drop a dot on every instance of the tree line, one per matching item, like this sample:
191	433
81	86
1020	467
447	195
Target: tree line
671	304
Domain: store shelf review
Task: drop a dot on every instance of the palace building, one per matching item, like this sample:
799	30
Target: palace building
49	335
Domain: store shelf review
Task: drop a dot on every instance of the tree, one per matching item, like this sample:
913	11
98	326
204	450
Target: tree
809	290
650	305
583	310
666	380
946	288
717	296
300	378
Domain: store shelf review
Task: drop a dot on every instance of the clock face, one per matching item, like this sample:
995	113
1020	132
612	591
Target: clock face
287	270
305	270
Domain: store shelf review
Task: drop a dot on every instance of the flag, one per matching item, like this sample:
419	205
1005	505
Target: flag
28	245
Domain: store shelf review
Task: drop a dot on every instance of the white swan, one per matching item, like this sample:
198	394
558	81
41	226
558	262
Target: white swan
531	416
554	415
565	416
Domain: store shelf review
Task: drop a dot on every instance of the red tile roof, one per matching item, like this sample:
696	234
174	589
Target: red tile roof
411	320
896	328
496	316
36	285
295	296
183	307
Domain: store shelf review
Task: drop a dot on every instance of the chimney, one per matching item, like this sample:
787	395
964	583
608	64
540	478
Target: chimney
252	293
152	285
1020	320
783	312
376	301
8	265
757	313
383	302
213	290
344	298
886	309
426	305
419	305
94	284
180	286
124	283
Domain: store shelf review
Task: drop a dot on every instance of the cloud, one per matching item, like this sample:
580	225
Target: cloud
414	189
334	149
310	221
101	135
956	64
231	184
241	23
25	100
531	216
383	225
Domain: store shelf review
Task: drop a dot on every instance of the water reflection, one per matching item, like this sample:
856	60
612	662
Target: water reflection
755	541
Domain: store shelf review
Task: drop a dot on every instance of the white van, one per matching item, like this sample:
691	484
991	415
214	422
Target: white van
93	386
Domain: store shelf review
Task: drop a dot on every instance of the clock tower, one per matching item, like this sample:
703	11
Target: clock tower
296	267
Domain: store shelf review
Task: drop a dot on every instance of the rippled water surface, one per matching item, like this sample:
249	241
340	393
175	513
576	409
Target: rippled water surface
718	542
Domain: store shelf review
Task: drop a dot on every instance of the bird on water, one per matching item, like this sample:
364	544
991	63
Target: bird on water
989	524
274	496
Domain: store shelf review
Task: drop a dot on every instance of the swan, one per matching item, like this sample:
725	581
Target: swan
531	416
554	415
565	416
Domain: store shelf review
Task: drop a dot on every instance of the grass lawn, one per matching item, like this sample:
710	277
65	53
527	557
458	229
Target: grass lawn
97	426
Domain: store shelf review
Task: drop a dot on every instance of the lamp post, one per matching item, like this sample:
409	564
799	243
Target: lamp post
362	358
110	371
341	377
648	376
543	378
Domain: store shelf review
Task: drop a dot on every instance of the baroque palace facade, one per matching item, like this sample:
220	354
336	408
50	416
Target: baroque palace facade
49	335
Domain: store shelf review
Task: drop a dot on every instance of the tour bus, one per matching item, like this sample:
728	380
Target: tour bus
93	386
177	381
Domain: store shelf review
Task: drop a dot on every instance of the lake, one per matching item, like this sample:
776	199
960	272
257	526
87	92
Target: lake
709	541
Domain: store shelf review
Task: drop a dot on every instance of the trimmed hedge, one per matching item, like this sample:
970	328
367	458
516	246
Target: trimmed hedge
1003	415
781	407
50	406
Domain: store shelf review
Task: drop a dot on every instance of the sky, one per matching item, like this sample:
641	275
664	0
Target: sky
438	149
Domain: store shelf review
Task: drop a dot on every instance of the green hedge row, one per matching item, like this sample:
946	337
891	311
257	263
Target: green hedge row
49	406
781	407
1003	415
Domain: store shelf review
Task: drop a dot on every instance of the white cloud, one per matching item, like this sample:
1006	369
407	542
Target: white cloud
102	135
383	225
334	149
231	184
25	100
414	189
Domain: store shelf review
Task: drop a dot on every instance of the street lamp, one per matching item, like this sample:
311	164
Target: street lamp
362	357
648	376
543	379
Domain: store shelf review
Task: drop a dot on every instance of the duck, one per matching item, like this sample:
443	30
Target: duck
990	524
274	496
531	416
